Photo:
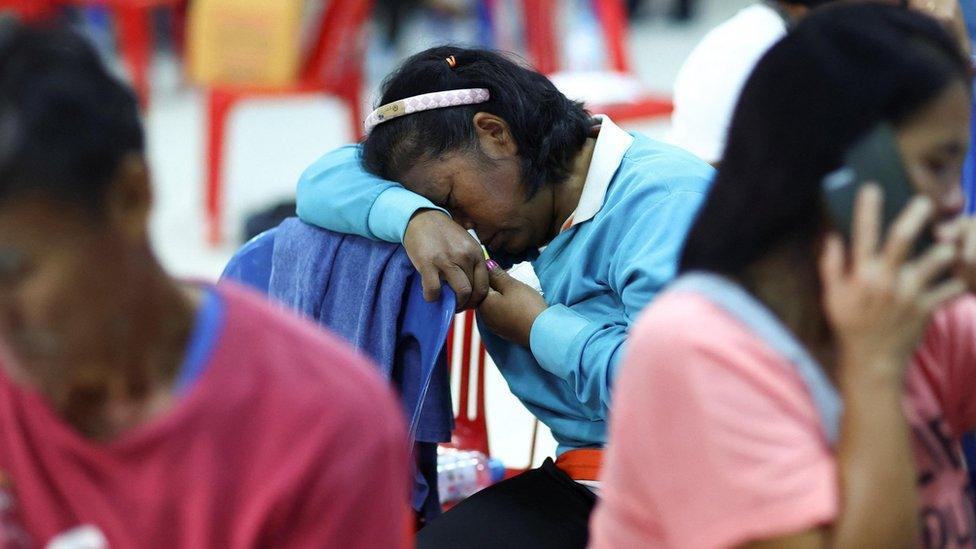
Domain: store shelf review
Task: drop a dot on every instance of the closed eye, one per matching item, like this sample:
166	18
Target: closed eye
448	202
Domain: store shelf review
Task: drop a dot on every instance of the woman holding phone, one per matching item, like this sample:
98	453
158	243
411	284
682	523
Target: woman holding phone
792	389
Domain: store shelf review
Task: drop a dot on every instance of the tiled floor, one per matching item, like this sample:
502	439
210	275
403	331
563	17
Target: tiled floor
270	142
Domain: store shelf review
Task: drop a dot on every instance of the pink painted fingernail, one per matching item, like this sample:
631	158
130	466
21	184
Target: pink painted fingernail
491	264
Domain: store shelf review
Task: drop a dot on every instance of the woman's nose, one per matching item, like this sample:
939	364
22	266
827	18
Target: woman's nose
953	200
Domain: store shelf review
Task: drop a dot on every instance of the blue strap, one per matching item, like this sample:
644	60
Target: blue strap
741	305
206	328
969	169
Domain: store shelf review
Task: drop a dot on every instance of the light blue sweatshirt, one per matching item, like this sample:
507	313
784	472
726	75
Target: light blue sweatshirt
596	276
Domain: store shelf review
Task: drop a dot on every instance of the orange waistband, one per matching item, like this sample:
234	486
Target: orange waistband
582	463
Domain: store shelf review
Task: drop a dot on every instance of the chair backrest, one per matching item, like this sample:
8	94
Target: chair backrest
251	265
247	43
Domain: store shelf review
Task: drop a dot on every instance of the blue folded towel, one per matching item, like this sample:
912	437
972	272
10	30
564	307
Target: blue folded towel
357	288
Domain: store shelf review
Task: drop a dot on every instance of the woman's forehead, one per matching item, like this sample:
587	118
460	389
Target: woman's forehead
437	174
947	116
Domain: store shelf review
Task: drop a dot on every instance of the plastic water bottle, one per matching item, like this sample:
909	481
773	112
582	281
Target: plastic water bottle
461	473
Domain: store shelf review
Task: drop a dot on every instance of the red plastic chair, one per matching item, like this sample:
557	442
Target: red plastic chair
470	431
541	43
334	67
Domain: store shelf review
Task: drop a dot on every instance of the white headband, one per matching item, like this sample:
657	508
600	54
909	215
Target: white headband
426	102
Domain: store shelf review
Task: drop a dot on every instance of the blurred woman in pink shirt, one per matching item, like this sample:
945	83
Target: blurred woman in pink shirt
790	390
137	410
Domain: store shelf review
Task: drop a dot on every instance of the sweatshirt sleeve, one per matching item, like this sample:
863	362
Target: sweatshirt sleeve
585	352
337	193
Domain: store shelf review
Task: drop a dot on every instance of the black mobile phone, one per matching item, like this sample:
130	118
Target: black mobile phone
873	158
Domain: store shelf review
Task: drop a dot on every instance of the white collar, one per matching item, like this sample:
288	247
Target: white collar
611	145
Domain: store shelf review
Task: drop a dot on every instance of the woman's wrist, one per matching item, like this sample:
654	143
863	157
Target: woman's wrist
527	321
882	373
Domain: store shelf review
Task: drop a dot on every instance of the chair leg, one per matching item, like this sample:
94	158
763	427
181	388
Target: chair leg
481	420
613	20
466	345
179	14
539	34
219	104
135	42
351	92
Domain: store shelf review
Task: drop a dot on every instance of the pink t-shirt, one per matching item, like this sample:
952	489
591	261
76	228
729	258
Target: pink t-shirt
288	439
715	440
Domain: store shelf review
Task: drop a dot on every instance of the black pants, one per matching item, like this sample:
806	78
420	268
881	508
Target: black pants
538	509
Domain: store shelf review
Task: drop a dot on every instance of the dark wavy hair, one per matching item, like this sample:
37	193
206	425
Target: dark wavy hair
842	70
65	121
548	128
